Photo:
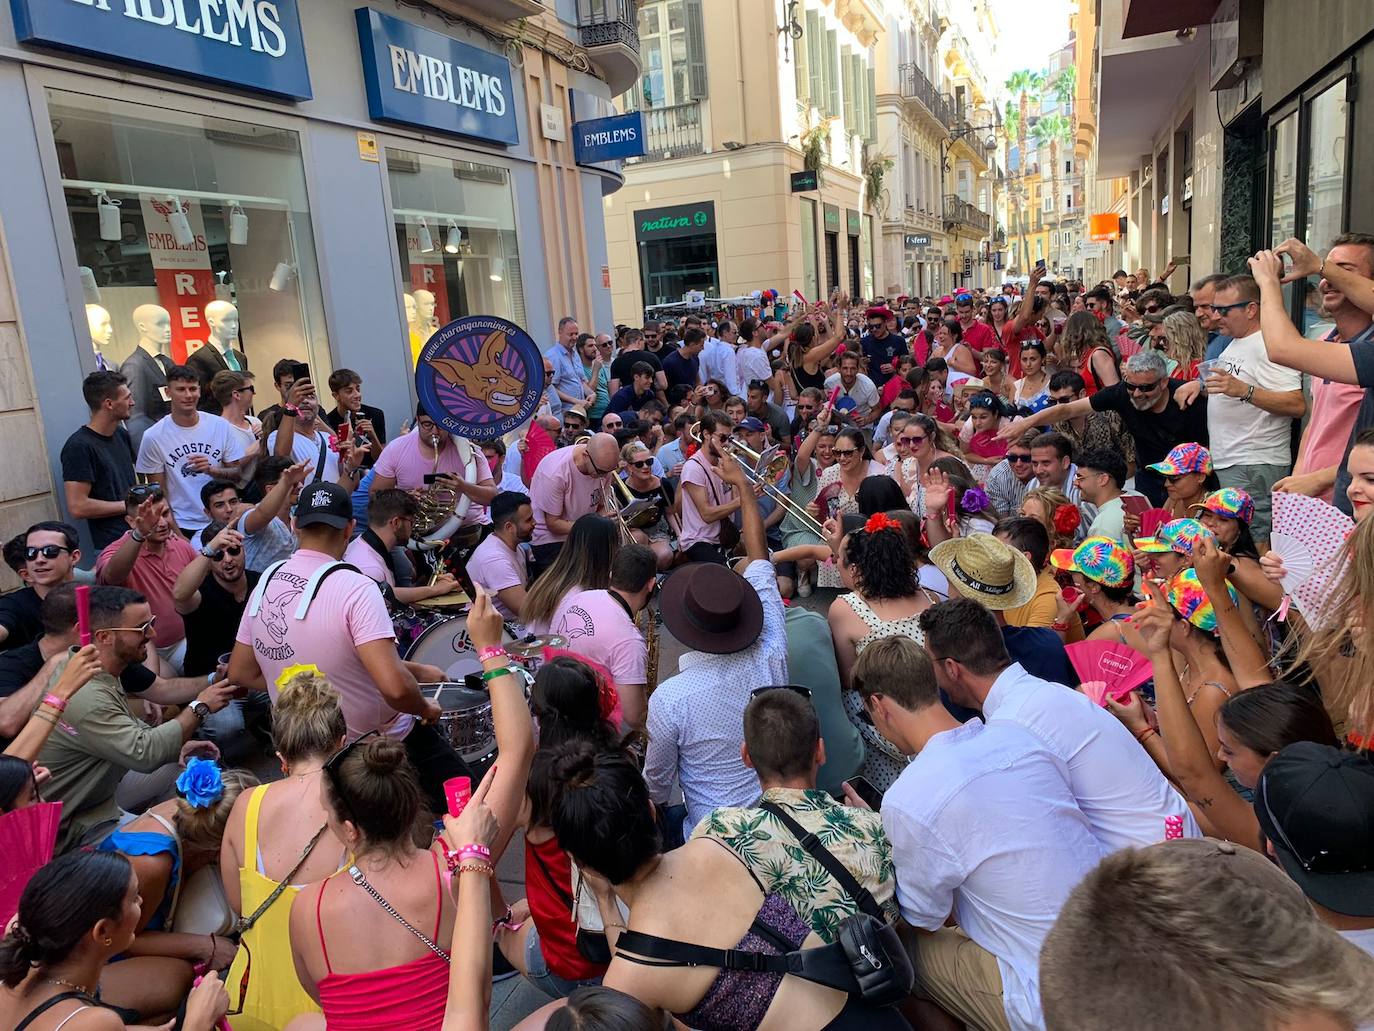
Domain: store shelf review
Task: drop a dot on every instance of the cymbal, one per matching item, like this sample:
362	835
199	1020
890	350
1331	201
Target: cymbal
533	648
445	601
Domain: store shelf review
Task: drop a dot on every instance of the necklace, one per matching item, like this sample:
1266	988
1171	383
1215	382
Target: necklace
68	984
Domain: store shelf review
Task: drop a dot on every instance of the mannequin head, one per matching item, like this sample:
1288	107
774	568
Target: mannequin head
154	327
223	320
410	308
424	306
102	330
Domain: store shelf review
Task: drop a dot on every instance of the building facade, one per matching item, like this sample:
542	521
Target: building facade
345	177
713	205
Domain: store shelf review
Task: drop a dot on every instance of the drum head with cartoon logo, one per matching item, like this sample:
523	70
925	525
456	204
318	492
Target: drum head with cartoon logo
480	376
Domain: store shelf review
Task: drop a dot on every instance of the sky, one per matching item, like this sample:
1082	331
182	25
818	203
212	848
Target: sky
1028	32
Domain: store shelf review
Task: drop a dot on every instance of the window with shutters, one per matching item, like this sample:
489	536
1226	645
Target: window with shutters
832	63
815	60
909	174
870	103
848	87
672	50
801	66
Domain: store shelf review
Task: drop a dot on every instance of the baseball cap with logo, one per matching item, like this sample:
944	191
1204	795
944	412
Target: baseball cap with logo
1180	535
1186	458
324	503
1315	805
1230	503
1100	559
751	425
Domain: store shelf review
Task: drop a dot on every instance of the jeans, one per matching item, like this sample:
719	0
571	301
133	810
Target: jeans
537	970
435	761
1257	481
228	728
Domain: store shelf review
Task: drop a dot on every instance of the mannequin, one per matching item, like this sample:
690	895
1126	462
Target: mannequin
424	312
417	335
220	351
146	369
102	332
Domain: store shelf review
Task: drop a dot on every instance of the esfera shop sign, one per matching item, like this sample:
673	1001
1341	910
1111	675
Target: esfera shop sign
252	44
697	219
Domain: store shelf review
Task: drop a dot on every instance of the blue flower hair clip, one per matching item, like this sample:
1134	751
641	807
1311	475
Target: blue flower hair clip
201	783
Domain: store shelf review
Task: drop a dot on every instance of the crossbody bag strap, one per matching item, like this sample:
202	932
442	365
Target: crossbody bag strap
862	897
248	921
363	883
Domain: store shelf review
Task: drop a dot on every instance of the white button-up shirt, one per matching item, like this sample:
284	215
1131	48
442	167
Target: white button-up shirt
718	362
1115	782
696	719
983	824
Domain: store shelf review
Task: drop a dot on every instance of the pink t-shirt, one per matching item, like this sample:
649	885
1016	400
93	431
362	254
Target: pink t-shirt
361	554
153	576
560	489
1334	408
597	626
402	461
347	612
494	567
694	528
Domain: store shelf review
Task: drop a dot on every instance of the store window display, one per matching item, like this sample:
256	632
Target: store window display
100	324
455	235
196	230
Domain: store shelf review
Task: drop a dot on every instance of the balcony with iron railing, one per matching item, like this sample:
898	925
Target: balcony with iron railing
961	212
915	86
609	30
672	132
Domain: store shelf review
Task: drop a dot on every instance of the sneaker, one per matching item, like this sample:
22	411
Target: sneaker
501	970
804	587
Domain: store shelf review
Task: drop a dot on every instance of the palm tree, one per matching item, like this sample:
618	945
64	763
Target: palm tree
1065	86
1023	83
1011	126
1052	130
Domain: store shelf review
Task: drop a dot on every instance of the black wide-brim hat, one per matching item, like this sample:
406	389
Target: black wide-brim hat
711	608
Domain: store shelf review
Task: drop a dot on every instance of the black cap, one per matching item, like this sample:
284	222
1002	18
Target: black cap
326	503
1315	804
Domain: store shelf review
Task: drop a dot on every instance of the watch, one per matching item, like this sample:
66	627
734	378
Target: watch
209	552
138	537
200	710
291	410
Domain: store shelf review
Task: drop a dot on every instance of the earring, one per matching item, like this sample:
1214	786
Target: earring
109	941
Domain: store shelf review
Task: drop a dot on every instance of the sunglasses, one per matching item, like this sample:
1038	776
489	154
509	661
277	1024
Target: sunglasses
876	325
1141	388
1174	477
1151	309
143	491
147	629
918	439
247	390
1018	459
48	551
805	692
235	549
647	463
1224	309
840	452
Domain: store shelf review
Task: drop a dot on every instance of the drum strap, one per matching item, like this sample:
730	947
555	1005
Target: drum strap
374	542
312	586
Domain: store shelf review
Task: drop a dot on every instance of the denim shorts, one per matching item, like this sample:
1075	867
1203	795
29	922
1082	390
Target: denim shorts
539	974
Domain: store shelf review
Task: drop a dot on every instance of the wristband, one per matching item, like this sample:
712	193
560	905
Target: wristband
493	651
474	850
53	702
1249	395
1062	628
500	671
291	410
1144	734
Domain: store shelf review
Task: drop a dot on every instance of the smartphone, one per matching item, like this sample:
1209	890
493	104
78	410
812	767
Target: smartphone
1040	263
1135	504
872	797
299	371
457	791
430	478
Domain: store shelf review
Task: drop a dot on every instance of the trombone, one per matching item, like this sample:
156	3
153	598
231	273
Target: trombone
767	469
631	512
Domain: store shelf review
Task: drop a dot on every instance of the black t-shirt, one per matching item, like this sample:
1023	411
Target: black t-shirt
882	352
625	361
378	419
210	630
1155	433
679	370
19	614
107	464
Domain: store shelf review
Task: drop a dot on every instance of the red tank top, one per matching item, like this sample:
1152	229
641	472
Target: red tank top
548	890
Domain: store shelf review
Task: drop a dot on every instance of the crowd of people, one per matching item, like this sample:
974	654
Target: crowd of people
1059	740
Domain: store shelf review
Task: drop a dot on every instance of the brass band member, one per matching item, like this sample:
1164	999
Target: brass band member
708	502
661	534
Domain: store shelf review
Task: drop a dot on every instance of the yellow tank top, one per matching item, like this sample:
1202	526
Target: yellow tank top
274	995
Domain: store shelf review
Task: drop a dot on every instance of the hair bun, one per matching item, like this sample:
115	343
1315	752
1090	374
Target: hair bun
574	765
383	755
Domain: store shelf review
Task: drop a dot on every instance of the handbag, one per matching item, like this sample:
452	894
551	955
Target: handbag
729	532
591	945
198	902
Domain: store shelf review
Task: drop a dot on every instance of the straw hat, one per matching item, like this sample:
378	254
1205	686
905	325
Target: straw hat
983	568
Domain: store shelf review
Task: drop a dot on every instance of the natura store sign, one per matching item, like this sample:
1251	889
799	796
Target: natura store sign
251	44
679	220
425	78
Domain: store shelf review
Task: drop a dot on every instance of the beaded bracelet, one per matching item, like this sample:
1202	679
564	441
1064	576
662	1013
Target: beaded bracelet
473	866
53	702
494	651
500	671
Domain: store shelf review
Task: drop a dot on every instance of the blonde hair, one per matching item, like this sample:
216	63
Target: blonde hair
307	720
1233	946
202	829
1338	652
1050	498
1185	340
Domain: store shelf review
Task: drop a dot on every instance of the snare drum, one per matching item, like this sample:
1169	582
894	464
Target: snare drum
446	644
466	723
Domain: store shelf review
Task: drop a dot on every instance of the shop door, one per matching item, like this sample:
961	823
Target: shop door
855	272
832	262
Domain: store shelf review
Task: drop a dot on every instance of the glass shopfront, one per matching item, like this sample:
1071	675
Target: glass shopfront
189	227
456	242
677	251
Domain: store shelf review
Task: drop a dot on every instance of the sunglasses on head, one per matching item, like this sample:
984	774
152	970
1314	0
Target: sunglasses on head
48	551
805	692
143	491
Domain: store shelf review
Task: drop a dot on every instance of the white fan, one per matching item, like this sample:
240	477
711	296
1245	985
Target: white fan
1308	536
1298	562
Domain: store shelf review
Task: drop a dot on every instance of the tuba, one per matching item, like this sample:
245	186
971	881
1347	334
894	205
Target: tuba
441	509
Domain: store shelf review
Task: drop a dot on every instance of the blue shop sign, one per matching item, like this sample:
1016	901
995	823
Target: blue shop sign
425	78
252	44
606	139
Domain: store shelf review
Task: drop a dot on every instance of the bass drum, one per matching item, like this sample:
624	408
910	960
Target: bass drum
447	645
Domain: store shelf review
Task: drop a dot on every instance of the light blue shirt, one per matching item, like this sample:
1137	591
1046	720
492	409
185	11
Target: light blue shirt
669	455
567	372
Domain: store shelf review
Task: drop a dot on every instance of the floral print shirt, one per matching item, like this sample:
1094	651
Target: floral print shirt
853	836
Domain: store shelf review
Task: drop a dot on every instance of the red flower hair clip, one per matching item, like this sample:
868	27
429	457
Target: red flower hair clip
881	521
1066	519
